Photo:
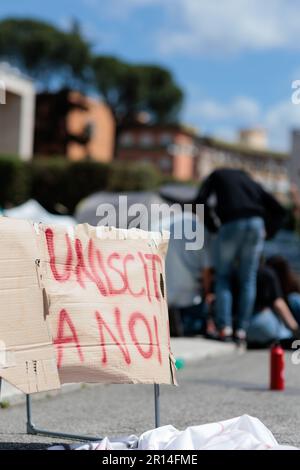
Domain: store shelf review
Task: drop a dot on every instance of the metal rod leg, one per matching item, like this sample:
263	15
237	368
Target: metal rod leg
32	429
157	405
29	424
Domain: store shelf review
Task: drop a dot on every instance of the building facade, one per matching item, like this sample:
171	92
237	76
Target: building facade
183	154
170	148
17	104
71	124
255	138
269	168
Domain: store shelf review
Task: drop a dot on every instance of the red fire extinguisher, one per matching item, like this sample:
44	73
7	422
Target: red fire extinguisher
277	368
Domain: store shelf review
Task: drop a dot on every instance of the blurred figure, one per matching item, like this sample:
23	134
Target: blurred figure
289	283
187	275
295	197
272	319
243	213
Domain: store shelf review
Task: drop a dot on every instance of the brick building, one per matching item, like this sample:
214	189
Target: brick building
267	167
171	148
180	152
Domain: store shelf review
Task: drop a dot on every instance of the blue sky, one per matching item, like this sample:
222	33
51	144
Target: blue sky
235	59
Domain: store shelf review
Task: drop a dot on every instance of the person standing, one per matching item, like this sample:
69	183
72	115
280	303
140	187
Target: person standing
243	214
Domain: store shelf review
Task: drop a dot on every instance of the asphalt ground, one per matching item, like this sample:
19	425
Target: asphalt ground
212	389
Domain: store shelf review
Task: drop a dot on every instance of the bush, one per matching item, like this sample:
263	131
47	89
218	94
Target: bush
125	176
47	184
14	181
82	179
59	184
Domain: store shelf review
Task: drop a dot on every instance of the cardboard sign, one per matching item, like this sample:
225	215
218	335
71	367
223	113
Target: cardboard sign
27	356
82	306
107	304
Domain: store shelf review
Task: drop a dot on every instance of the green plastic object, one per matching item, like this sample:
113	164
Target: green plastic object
179	363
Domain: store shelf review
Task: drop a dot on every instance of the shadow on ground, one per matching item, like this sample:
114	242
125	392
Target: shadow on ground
24	446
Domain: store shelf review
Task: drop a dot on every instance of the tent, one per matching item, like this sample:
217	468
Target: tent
94	210
32	210
183	193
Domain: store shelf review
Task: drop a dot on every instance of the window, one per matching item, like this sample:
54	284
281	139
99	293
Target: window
165	138
165	163
127	139
146	139
146	159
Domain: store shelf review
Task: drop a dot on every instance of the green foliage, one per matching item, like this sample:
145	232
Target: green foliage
82	179
4	404
59	182
14	181
111	78
129	89
48	181
51	55
55	57
133	177
161	95
59	185
44	51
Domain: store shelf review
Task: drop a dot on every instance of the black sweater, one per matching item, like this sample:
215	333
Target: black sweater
238	196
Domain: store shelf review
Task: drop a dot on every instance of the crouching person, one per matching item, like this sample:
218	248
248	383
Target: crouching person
289	283
272	319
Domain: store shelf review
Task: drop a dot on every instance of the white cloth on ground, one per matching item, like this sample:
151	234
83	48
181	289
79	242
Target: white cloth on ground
242	433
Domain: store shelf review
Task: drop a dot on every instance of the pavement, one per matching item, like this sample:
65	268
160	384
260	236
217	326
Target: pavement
220	384
188	349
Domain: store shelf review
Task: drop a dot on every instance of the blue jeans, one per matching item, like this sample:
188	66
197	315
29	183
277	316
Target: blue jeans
239	246
265	327
294	304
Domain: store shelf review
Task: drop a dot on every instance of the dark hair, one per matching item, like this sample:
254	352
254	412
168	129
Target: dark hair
288	279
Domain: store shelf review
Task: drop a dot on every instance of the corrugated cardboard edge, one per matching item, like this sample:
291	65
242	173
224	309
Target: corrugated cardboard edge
31	368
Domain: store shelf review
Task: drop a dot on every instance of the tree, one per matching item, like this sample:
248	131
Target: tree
163	96
47	54
56	58
130	89
62	59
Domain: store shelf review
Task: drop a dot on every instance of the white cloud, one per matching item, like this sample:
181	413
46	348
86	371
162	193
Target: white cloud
218	27
226	133
224	119
222	27
214	27
279	120
241	107
119	9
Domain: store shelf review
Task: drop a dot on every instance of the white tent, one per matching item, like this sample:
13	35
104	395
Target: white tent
32	210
